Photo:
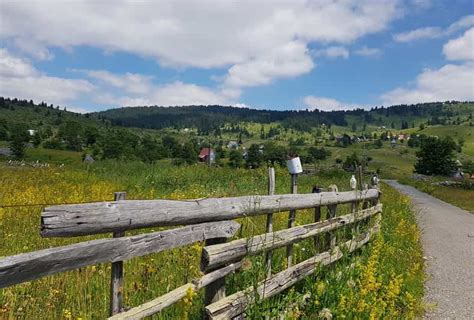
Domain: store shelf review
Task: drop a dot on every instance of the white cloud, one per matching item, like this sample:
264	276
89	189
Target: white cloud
333	52
287	61
257	41
451	82
368	52
328	104
19	79
463	23
434	32
417	34
33	49
461	48
13	67
130	82
139	90
178	94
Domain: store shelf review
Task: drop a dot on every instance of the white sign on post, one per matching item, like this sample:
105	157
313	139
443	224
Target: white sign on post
294	165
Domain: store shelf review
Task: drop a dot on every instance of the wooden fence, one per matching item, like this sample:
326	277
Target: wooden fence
210	220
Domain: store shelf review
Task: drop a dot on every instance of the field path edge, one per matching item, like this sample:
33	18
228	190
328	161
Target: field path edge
447	237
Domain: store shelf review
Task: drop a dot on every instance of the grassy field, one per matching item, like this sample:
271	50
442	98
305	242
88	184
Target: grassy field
455	131
376	282
459	197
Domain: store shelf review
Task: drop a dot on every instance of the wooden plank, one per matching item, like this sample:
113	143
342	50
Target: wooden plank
156	305
220	254
116	272
331	237
216	290
317	218
269	226
291	220
100	217
33	265
236	303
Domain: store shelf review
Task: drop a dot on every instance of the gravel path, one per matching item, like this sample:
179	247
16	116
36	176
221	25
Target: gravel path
448	245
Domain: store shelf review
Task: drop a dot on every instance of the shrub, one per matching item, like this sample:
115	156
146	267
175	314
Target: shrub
436	156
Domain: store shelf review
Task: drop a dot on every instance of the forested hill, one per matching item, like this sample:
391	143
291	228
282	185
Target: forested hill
208	118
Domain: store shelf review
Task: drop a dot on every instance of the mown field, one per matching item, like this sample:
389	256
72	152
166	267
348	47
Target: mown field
383	280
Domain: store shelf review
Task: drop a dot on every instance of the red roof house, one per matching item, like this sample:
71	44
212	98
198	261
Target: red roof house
205	154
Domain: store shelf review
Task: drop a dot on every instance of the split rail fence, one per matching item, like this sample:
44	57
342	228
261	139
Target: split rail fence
211	220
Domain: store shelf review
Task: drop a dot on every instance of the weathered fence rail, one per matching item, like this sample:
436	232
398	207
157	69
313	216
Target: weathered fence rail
209	220
102	217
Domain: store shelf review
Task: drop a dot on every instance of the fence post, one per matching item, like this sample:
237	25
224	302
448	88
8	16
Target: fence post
331	214
116	282
291	219
355	228
317	218
269	228
216	290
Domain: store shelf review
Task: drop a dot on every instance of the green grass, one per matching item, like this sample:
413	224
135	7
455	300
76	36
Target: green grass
457	196
53	156
84	293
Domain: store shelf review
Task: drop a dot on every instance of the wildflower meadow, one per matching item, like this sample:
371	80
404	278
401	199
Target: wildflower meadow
382	280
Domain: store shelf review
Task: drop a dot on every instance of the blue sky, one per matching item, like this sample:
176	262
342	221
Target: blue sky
90	55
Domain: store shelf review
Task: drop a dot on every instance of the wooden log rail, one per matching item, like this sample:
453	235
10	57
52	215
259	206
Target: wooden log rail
235	304
29	266
102	217
166	300
208	220
220	254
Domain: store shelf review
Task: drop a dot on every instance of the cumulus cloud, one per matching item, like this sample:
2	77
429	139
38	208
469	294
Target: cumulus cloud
289	60
328	104
33	49
172	94
434	32
257	42
421	33
368	52
461	48
333	52
463	23
130	82
19	79
451	82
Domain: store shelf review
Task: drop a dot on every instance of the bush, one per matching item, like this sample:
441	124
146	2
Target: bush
351	162
436	156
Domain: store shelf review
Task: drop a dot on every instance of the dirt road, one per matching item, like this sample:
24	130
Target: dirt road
448	245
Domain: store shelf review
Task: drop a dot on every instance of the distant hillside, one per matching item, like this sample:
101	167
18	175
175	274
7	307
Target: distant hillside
39	116
209	118
155	133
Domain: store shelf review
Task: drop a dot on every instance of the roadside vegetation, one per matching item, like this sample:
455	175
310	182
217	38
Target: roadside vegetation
461	195
385	279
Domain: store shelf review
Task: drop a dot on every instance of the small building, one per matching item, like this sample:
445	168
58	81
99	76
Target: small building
31	132
5	152
88	159
233	145
207	155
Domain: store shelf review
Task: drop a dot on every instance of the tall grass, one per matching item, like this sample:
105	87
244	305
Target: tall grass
83	293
